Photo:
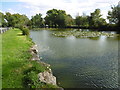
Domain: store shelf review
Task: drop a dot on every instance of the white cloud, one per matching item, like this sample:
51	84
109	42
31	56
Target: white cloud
11	11
70	6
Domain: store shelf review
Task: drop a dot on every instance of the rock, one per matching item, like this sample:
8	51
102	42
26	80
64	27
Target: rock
35	57
47	77
45	64
34	49
34	53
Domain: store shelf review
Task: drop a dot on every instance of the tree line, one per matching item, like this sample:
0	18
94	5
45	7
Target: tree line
59	18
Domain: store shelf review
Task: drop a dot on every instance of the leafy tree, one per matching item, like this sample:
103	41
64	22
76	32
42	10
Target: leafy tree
3	22
20	20
58	18
10	19
95	19
78	20
114	15
37	21
81	20
85	21
51	17
16	20
69	20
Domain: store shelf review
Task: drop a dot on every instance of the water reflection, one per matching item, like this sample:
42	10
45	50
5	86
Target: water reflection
102	38
71	37
94	38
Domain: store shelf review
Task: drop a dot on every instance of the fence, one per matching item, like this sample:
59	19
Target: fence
3	30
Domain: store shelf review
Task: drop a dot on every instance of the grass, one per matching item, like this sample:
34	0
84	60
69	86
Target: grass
17	69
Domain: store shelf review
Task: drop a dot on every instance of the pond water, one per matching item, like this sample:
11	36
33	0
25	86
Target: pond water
79	62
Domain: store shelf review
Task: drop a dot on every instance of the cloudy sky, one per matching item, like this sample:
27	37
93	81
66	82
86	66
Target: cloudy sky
72	7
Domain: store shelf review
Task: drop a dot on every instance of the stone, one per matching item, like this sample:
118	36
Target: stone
47	77
35	57
45	64
34	49
34	52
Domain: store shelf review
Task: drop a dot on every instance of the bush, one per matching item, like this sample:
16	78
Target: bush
25	31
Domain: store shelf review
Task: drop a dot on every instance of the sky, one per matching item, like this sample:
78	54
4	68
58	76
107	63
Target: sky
72	7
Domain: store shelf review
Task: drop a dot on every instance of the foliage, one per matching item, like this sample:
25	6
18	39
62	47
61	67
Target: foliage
58	18
19	21
25	31
10	19
114	15
78	20
37	21
95	19
81	20
3	22
16	20
69	20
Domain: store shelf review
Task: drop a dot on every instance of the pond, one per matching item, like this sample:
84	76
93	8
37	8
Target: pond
79	62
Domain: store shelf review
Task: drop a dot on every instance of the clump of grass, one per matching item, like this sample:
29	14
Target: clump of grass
30	79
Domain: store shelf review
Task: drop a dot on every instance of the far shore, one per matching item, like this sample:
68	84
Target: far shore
102	28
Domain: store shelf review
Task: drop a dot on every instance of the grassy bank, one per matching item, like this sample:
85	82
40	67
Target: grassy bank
17	69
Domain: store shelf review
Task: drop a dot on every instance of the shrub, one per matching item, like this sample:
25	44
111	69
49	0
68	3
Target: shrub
25	31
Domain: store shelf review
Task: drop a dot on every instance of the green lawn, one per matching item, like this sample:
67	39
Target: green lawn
17	69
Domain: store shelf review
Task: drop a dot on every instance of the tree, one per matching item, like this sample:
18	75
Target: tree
114	15
20	20
82	20
10	19
60	18
16	20
95	19
57	18
37	21
3	21
85	22
50	17
69	20
78	20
